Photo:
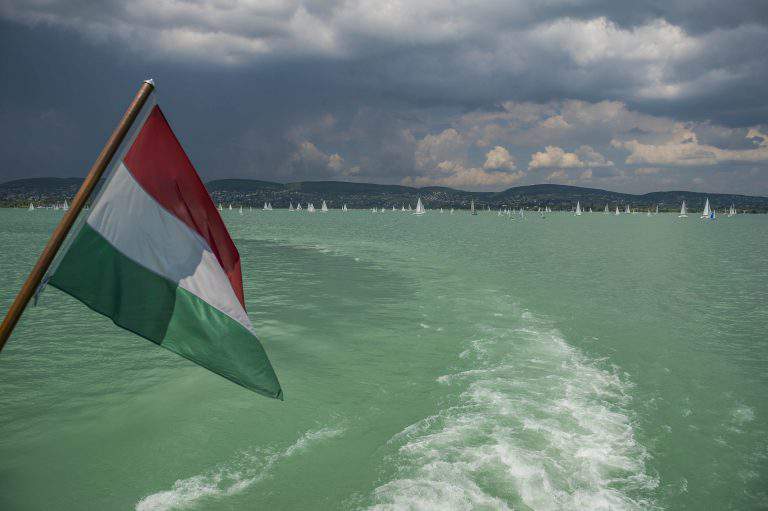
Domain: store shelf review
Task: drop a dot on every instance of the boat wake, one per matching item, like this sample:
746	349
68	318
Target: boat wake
231	478
535	424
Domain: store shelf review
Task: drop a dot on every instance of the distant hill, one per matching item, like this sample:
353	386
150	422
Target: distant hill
40	187
366	195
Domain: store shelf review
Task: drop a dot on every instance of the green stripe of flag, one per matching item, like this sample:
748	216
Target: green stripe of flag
141	301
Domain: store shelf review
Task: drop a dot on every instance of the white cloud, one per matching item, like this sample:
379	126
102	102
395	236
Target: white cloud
433	149
499	158
554	156
761	138
456	175
645	171
308	159
588	41
682	148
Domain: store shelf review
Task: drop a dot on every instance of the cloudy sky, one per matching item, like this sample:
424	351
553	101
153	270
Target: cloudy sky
629	96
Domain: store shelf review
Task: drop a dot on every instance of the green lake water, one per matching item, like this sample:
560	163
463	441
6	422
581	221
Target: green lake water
434	362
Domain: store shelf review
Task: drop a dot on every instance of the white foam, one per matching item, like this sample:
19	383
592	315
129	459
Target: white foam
230	478
536	425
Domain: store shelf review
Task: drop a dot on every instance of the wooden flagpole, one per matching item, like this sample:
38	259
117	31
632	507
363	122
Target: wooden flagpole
61	231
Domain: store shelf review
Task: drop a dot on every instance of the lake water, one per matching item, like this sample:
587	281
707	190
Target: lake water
434	362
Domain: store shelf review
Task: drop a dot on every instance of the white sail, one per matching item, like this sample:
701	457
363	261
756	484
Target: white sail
65	206
617	211
344	207
241	211
628	211
606	209
409	208
298	206
31	207
657	209
472	207
707	212
324	207
683	213
419	208
221	208
578	208
402	208
290	206
230	207
393	208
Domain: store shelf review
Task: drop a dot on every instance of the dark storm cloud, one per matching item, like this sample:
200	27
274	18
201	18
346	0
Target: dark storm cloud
413	92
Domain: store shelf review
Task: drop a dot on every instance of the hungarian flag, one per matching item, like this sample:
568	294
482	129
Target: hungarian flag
153	255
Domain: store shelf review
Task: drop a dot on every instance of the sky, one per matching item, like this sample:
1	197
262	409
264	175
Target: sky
628	96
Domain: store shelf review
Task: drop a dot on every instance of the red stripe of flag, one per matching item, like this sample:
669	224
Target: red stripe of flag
159	164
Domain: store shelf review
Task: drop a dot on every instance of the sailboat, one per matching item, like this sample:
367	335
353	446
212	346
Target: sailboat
402	208
683	213
657	210
31	207
617	211
265	208
606	209
394	208
290	206
628	211
230	207
221	208
65	206
344	207
419	208
311	207
324	207
732	211
590	210
451	210
298	206
578	208
707	214
472	207
241	211
409	208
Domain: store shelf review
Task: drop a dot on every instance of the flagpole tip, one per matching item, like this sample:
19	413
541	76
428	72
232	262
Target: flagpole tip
150	81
